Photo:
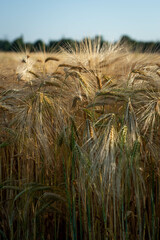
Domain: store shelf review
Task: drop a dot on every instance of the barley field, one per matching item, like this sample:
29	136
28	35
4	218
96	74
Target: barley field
79	144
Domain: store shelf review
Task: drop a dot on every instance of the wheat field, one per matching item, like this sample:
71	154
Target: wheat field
79	144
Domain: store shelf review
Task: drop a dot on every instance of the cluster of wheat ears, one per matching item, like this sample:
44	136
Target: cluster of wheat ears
79	145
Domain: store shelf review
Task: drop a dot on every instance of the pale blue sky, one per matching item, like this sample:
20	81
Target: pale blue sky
53	19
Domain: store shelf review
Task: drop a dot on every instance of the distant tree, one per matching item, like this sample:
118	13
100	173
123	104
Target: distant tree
156	47
29	46
5	45
18	44
130	43
125	39
70	44
99	39
53	46
67	44
39	45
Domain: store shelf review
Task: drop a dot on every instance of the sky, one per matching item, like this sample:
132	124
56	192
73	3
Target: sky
56	19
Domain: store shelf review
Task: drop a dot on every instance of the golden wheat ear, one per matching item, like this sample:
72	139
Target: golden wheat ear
75	100
51	59
23	61
99	83
39	60
34	74
65	65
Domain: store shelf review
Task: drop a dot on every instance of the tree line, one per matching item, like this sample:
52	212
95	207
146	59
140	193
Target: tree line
134	46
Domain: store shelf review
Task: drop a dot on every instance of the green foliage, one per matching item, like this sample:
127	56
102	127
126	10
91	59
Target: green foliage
18	44
139	46
39	45
5	45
